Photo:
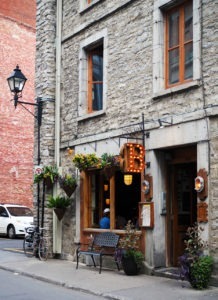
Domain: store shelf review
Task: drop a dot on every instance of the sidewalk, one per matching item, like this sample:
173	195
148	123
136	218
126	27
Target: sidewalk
110	284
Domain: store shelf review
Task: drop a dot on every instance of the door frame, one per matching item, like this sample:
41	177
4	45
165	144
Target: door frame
178	156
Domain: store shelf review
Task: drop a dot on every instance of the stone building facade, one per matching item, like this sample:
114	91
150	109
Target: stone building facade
17	47
129	37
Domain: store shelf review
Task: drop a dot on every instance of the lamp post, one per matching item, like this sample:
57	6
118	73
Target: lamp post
16	82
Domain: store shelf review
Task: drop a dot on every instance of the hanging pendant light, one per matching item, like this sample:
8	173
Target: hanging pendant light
127	179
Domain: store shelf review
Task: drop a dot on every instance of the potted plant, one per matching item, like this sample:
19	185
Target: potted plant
128	253
108	162
85	161
49	174
59	204
194	265
68	183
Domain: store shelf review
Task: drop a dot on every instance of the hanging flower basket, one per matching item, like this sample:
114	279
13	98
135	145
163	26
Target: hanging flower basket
69	190
60	213
59	204
109	171
49	175
68	183
48	182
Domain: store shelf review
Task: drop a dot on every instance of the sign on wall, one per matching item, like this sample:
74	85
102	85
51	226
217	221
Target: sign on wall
132	158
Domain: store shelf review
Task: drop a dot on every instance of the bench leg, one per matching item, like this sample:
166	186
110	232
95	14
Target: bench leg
93	260
100	264
77	260
118	267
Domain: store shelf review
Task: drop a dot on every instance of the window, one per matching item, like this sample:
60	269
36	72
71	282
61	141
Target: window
176	46
95	79
179	44
101	192
93	76
85	4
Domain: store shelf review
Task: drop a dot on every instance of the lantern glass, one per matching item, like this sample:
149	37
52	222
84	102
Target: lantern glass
16	81
128	179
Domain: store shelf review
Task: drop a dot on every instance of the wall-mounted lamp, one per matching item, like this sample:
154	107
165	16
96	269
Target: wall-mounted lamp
127	179
16	82
161	123
145	187
69	151
199	184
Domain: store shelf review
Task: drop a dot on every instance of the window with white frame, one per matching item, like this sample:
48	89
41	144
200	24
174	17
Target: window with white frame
176	45
92	75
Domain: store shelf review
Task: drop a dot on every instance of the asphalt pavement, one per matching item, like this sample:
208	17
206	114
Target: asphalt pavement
111	284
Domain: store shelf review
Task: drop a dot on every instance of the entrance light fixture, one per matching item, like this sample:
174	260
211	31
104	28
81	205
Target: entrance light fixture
127	179
145	187
199	184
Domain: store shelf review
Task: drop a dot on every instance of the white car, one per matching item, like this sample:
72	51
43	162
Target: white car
14	219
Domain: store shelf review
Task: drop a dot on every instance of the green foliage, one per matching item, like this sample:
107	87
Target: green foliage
194	243
130	243
194	266
47	172
84	161
136	255
58	202
108	160
200	272
67	180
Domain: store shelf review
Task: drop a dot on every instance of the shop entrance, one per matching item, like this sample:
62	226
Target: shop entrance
182	200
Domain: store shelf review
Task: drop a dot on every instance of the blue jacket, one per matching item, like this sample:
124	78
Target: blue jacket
104	223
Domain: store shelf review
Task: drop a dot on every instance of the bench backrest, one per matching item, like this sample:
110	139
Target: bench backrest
106	239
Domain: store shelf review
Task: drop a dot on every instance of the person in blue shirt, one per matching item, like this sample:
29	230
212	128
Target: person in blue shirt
105	220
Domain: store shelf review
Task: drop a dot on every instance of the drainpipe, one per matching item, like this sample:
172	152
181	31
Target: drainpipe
57	225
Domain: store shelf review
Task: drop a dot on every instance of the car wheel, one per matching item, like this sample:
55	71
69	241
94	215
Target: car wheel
11	232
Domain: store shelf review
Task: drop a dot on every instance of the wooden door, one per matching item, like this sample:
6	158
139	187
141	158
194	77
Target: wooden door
183	206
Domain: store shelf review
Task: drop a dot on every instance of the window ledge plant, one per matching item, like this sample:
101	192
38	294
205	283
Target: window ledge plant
128	253
194	265
85	161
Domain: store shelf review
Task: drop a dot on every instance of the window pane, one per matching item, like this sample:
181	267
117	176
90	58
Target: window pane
97	95
188	23
97	62
173	29
174	66
188	61
94	202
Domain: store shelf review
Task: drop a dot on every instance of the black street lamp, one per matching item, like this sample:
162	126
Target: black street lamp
16	82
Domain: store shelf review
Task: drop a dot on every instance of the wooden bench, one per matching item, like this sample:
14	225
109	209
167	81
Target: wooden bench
103	244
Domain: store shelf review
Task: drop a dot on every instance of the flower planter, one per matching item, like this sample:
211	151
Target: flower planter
69	190
48	183
59	213
129	266
109	172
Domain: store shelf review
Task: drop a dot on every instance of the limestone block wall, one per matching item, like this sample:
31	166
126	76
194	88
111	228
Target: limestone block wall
129	27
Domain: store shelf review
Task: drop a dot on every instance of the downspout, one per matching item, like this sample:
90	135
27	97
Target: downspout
57	225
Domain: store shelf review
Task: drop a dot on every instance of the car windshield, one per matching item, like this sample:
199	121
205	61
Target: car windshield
20	211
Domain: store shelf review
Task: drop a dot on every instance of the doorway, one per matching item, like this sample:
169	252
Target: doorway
182	201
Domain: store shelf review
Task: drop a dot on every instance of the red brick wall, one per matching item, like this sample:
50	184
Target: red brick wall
22	11
17	46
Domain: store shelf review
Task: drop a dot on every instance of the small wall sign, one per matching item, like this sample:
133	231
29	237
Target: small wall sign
146	214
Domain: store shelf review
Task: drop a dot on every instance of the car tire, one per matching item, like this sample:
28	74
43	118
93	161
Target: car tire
11	232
